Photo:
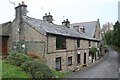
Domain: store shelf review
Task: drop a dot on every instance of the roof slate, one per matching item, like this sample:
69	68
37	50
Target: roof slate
5	28
46	27
89	28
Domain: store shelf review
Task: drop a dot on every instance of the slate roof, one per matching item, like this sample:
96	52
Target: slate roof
89	28
46	27
5	28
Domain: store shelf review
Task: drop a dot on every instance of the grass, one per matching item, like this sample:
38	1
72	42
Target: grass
10	71
0	70
59	74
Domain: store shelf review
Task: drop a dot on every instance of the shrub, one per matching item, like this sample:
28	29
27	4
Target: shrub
93	50
37	69
33	54
17	58
59	74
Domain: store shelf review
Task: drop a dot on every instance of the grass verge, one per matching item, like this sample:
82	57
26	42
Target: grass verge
0	69
11	71
59	74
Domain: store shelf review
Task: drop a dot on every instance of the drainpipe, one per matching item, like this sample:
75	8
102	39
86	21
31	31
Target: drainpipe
75	65
47	42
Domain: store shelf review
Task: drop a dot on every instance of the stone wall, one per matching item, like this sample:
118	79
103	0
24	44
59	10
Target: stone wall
70	51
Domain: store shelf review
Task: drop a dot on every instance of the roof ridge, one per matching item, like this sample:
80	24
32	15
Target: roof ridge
84	22
6	22
41	25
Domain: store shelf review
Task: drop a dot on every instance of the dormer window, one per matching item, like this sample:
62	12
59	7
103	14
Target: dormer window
82	29
76	28
94	36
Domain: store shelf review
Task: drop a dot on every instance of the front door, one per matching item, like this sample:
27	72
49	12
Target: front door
78	58
84	58
58	63
4	44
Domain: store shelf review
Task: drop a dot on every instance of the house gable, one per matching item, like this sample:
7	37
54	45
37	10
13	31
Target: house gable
5	28
91	29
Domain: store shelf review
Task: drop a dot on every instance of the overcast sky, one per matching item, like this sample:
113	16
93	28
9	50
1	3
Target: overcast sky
75	10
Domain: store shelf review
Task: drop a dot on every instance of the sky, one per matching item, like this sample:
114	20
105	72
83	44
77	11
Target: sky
74	10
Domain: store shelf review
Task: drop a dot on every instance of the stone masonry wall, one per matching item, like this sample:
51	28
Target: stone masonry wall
71	50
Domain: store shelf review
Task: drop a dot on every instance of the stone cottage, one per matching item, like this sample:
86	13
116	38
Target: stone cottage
91	30
63	48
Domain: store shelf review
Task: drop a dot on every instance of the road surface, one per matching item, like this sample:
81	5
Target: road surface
106	68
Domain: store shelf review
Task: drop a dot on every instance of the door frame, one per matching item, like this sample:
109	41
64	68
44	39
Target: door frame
84	57
58	59
4	44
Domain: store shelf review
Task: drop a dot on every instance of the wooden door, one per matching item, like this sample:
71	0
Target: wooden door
5	44
58	63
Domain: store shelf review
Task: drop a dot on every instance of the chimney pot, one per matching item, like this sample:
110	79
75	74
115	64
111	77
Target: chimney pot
66	23
23	2
45	14
82	29
48	18
19	4
49	13
21	10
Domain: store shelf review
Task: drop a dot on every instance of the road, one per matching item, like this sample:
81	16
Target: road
106	68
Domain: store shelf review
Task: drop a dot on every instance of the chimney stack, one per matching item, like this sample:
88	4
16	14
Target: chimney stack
66	23
48	18
21	10
82	29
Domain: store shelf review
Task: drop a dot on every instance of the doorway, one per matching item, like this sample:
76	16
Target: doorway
85	58
4	44
78	58
58	63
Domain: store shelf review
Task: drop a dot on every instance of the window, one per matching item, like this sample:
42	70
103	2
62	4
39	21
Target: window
58	63
78	43
78	58
60	42
69	61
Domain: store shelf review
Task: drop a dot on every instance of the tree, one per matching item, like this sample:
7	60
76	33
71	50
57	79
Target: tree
116	34
113	36
107	27
108	37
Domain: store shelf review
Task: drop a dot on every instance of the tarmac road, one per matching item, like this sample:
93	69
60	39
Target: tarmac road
106	68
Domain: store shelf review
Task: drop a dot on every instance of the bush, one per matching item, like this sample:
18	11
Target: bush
37	69
35	55
17	58
93	50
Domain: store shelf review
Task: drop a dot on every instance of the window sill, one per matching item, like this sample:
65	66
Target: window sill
69	64
78	63
60	48
78	47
